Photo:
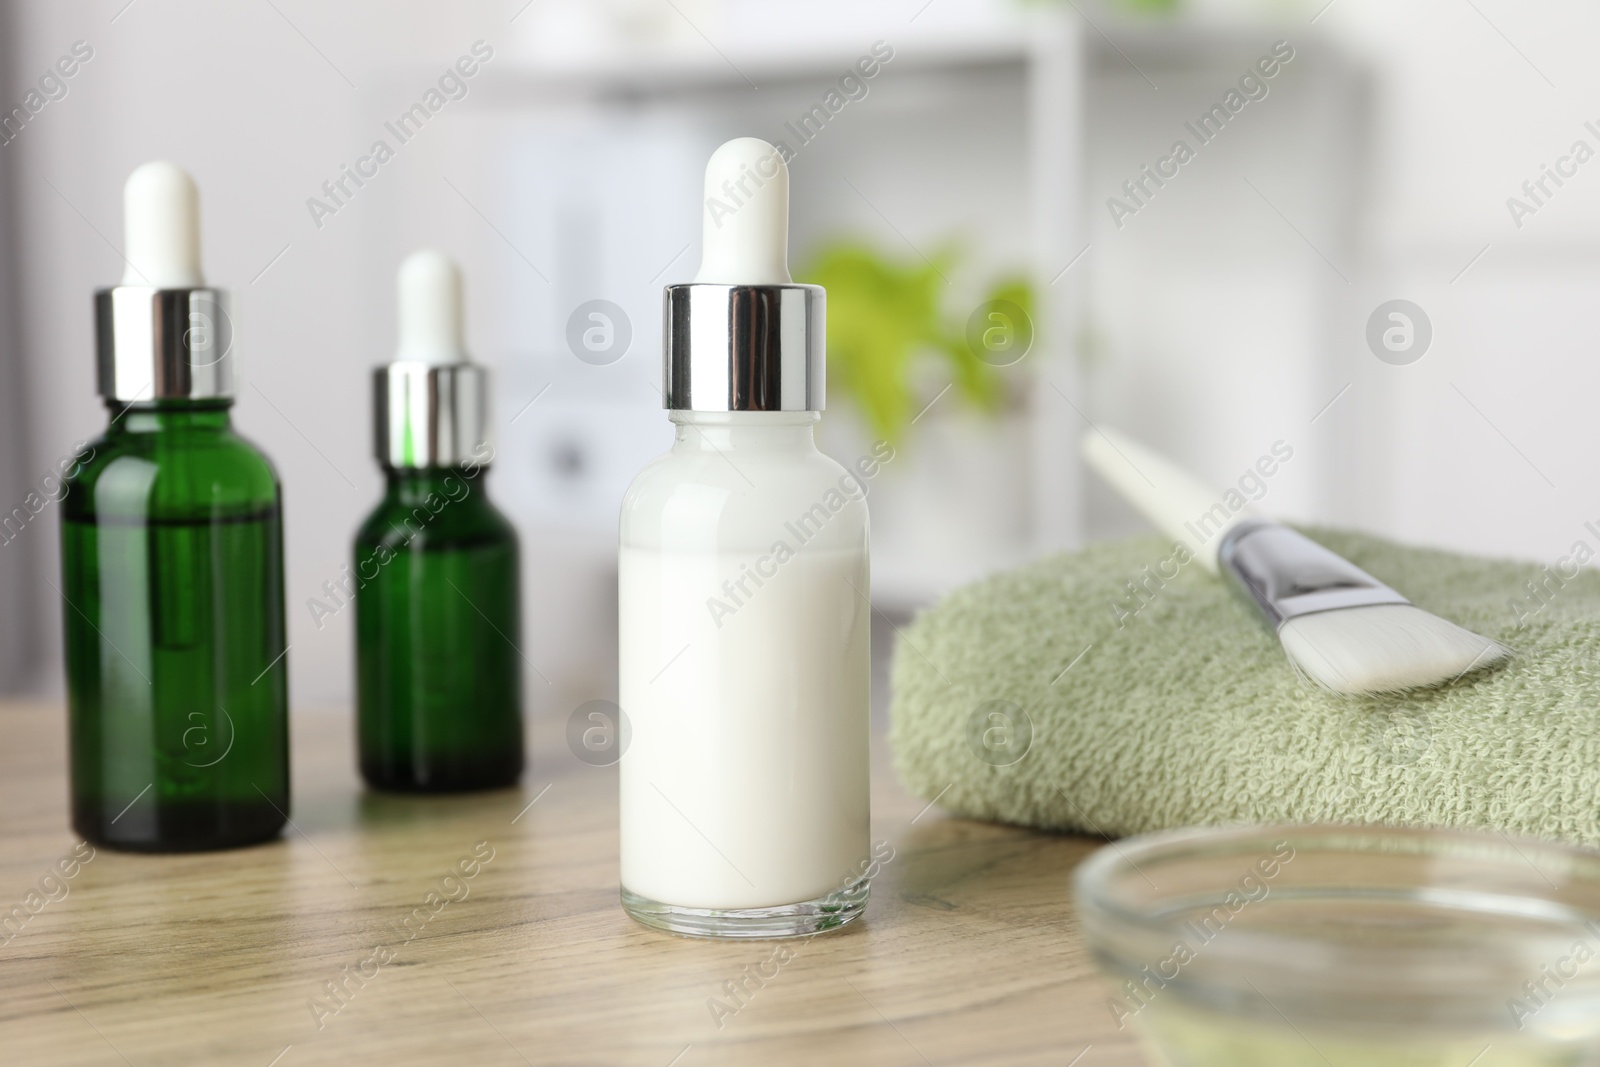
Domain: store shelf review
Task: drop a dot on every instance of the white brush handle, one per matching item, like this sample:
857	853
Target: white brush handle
1177	503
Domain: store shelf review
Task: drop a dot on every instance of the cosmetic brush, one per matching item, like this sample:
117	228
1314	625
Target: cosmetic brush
1339	626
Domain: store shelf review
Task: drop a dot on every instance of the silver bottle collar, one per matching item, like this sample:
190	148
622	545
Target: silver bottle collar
163	344
744	347
431	414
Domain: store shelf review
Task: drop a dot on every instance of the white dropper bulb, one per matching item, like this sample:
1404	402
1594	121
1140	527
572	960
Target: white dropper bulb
161	221
746	234
430	309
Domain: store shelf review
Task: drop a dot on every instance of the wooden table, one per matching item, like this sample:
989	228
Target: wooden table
969	952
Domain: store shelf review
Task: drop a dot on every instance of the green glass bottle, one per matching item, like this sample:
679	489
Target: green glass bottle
440	679
172	572
439	668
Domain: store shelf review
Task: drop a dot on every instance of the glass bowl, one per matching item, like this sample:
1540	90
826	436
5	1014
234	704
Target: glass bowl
1342	946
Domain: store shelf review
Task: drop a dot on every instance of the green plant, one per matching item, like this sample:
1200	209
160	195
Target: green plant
884	317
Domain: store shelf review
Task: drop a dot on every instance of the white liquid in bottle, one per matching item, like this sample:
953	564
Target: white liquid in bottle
744	611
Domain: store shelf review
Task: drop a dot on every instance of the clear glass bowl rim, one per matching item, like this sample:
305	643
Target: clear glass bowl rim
1113	926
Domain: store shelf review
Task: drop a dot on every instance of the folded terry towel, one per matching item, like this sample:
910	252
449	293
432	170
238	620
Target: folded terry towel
1056	696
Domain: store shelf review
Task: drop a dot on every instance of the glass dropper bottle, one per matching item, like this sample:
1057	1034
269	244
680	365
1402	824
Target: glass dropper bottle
743	602
172	565
438	667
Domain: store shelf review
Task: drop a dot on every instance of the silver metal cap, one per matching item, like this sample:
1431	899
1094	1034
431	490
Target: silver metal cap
431	414
1289	575
163	344
744	347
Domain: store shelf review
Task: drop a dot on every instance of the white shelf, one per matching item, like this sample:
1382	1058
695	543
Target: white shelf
632	72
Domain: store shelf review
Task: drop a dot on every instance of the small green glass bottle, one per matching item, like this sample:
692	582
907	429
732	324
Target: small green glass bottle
438	666
172	566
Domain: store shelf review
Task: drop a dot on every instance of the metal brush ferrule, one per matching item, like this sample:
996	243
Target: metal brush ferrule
431	414
743	347
1286	574
163	344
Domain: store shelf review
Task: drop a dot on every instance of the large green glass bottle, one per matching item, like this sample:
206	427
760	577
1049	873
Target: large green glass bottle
177	683
172	565
438	659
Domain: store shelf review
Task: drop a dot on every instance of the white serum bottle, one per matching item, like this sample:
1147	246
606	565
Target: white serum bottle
744	612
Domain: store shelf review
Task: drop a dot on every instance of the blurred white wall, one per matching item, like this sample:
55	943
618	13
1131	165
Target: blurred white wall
1220	321
1489	436
21	642
1222	317
523	180
261	103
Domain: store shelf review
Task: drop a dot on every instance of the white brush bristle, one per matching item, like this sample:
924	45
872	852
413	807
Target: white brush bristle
1383	648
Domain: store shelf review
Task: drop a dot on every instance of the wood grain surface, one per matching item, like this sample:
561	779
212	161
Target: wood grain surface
969	952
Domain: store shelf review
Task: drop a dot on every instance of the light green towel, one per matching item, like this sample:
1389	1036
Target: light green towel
1186	712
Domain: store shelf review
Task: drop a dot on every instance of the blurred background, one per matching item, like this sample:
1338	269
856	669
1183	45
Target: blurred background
995	158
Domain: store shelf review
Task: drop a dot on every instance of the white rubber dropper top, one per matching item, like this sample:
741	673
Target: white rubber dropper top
746	233
430	309
161	225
